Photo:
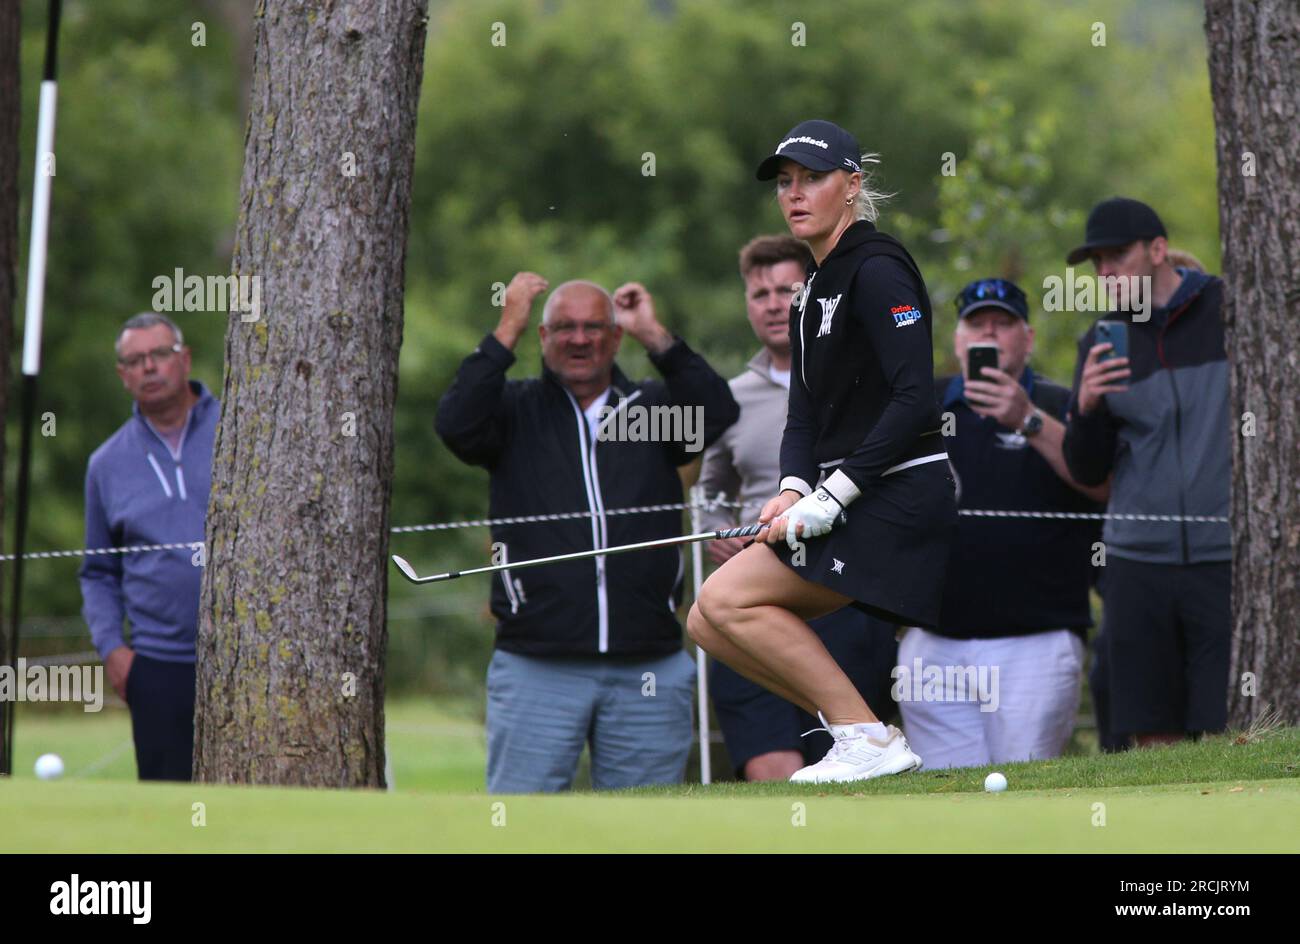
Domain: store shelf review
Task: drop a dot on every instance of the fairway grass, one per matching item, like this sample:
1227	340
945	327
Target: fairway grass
126	817
1274	756
432	746
1215	795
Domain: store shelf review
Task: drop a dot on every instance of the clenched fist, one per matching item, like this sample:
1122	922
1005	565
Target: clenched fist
634	311
520	294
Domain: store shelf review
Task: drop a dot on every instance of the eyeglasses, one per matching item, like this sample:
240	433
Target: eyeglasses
160	355
566	329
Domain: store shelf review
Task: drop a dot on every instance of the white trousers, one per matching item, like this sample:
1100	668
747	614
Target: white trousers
974	702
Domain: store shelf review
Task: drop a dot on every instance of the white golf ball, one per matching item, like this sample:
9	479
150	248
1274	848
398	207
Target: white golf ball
995	782
49	766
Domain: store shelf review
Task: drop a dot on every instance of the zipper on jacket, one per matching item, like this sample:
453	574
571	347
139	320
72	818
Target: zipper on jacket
1178	426
803	342
587	457
1178	449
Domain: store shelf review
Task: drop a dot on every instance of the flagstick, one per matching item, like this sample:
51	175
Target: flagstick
701	657
32	346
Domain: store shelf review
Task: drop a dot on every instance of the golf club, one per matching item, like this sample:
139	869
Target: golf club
409	572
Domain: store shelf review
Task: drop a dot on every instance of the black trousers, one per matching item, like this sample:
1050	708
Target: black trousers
1168	632
161	698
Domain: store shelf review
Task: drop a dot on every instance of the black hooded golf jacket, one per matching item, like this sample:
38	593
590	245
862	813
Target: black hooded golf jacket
862	376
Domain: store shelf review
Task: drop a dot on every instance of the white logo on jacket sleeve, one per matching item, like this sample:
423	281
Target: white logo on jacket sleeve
828	312
837	565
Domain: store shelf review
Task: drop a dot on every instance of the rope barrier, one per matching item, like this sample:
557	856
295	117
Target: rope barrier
718	501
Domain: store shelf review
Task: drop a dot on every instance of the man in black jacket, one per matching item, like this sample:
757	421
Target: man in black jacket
586	650
1158	421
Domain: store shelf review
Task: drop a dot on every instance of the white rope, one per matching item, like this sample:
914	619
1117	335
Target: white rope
90	552
1088	516
718	501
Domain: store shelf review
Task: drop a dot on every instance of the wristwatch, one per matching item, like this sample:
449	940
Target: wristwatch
1032	425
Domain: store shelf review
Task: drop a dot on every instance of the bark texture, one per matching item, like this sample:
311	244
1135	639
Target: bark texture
292	621
1254	49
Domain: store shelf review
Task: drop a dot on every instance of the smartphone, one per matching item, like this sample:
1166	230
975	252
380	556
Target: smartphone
1116	332
979	356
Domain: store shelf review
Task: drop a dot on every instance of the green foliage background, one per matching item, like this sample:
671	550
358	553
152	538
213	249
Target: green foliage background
531	155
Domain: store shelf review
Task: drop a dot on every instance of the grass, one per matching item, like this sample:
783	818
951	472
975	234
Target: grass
1214	795
80	816
432	746
1273	756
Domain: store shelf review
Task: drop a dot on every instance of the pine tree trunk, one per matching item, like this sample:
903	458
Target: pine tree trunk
1255	79
292	621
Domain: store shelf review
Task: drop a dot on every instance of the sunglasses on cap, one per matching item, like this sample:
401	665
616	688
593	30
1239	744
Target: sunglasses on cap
993	291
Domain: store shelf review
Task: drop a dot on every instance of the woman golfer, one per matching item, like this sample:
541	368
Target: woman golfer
866	510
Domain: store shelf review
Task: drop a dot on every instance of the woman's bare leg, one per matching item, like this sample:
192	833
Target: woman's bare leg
760	606
722	649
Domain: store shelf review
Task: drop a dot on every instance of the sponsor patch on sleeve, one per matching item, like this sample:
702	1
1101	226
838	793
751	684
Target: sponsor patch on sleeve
905	315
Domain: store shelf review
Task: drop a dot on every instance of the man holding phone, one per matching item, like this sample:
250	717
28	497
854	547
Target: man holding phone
1157	421
1015	605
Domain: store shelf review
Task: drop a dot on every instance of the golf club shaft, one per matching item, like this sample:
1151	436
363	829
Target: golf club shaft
747	531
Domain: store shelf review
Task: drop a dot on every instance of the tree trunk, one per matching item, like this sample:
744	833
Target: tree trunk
10	122
292	621
1255	79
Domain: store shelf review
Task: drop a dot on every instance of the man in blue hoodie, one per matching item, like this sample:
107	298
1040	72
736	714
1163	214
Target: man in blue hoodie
149	484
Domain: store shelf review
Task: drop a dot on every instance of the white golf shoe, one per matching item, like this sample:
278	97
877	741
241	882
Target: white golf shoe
855	756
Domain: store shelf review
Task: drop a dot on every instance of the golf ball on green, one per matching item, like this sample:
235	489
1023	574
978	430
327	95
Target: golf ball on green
49	766
995	782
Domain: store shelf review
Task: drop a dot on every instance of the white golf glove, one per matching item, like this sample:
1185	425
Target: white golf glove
816	512
820	511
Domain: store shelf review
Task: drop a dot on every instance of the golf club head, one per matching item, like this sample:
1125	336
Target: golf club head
407	570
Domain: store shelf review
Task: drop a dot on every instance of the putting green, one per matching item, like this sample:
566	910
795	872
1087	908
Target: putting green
82	816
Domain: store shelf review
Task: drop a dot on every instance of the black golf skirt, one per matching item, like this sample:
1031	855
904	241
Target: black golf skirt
891	555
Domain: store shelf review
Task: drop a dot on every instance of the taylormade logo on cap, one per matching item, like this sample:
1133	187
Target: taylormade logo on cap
816	144
800	140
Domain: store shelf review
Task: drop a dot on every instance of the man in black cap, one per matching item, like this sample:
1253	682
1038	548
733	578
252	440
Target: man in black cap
997	680
1157	421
